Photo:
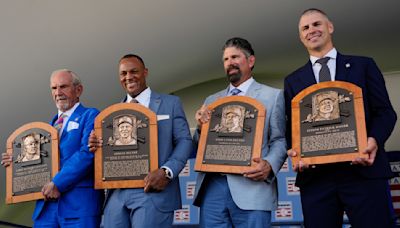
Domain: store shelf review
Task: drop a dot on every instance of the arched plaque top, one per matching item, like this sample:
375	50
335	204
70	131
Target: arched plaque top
356	90
248	100
126	106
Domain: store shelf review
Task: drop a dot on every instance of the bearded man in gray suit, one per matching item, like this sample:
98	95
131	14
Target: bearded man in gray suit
246	200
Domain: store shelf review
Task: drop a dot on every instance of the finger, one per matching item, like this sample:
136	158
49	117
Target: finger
147	188
257	176
291	153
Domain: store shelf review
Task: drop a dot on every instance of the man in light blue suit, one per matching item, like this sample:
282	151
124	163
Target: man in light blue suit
70	199
153	205
246	200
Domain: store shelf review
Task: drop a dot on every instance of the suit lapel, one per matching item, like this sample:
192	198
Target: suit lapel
74	117
253	90
342	67
307	76
155	101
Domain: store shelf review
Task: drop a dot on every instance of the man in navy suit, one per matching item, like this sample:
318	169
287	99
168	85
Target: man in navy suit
153	205
70	199
228	200
359	188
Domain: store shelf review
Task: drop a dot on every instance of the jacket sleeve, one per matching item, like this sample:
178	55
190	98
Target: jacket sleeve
276	141
382	115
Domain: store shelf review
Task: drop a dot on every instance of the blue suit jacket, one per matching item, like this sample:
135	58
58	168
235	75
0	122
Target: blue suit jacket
246	193
380	117
174	147
75	178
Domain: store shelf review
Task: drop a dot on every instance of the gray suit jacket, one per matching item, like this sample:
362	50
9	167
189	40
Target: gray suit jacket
258	195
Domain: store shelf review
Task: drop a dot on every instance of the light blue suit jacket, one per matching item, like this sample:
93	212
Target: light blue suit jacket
246	193
174	147
75	178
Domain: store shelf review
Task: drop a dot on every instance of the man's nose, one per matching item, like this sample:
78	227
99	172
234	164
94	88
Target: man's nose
130	75
58	91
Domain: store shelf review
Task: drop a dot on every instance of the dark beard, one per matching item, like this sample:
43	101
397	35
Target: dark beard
233	78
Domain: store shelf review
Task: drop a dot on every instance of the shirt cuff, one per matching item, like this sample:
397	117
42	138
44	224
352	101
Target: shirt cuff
170	171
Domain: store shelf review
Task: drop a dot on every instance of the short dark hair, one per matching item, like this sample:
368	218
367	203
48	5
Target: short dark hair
314	10
241	44
128	56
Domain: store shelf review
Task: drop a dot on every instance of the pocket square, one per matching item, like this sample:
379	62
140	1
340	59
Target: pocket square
72	125
162	117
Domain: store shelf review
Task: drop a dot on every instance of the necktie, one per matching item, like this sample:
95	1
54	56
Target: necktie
324	74
134	101
235	91
59	123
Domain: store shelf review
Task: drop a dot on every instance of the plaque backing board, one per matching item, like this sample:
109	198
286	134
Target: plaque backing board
122	158
248	140
24	172
342	126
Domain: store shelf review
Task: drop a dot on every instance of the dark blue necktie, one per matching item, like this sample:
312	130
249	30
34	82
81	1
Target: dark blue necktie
324	74
235	91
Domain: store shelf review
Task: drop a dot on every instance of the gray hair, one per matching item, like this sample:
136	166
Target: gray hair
75	79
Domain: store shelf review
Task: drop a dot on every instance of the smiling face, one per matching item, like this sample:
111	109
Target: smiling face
315	31
132	76
326	106
65	94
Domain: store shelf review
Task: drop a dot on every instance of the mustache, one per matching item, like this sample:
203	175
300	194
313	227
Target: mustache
232	67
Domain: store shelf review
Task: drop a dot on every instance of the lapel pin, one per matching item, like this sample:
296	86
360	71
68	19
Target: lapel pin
347	65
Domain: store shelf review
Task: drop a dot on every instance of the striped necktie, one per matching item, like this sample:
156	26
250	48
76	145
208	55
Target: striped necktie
134	101
59	123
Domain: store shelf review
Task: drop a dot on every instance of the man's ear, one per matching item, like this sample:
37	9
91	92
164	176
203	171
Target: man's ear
252	60
79	90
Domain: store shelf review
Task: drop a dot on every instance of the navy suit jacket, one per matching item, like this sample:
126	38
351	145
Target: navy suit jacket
174	146
380	116
75	178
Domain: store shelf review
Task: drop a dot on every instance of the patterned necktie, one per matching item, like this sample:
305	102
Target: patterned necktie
324	74
235	91
59	123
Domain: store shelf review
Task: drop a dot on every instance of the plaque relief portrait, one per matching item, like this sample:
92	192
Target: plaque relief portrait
125	131
232	119
31	148
325	107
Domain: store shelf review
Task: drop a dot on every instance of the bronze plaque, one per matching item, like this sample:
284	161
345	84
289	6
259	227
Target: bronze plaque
130	151
34	149
232	137
328	123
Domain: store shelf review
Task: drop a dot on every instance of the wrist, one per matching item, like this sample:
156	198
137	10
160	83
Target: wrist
167	173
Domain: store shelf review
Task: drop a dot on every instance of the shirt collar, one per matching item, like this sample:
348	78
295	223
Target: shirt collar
143	98
331	54
243	87
69	111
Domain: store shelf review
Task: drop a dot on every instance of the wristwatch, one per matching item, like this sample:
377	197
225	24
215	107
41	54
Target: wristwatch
168	174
